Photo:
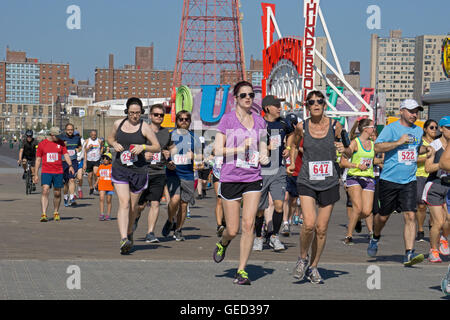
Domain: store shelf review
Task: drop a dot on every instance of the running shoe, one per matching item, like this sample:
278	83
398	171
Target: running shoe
300	221
241	278
167	228
313	275
44	218
220	230
107	218
373	248
296	220
434	257
66	202
34	187
443	248
56	216
300	268
101	217
91	192
219	252
72	203
151	238
178	236
80	194
358	227
285	231
188	214
412	258
348	241
276	244
445	284
125	246
130	238
420	236
258	244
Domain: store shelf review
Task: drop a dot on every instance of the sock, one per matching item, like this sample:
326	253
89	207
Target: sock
71	197
66	197
376	237
277	219
259	221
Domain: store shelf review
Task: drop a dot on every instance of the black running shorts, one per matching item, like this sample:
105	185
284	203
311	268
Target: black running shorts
397	197
155	189
323	198
235	190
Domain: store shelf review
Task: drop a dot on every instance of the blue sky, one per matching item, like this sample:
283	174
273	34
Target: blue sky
112	26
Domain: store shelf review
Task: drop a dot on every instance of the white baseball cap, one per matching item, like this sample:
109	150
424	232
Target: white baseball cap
410	104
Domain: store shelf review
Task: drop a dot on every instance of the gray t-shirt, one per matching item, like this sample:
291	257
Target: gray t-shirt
158	163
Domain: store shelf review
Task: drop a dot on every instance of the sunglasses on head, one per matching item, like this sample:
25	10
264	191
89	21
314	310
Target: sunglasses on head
161	115
184	119
244	95
311	102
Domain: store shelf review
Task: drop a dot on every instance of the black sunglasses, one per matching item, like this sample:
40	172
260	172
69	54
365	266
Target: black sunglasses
184	119
432	127
244	95
161	115
311	102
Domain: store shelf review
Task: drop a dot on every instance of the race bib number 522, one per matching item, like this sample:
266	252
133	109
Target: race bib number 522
407	156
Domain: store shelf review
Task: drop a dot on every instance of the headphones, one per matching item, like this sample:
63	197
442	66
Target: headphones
137	101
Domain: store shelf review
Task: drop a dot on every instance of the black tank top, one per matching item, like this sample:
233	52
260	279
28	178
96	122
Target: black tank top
123	159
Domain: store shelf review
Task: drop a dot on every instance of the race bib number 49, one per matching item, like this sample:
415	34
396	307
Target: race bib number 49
319	170
407	156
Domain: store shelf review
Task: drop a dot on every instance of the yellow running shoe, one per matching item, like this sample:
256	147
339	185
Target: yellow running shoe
56	216
44	218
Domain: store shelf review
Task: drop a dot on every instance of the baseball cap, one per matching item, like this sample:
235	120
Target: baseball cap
107	155
271	100
445	121
55	131
410	104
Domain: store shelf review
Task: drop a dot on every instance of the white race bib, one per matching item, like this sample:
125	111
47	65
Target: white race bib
52	157
275	141
127	158
253	160
156	158
105	174
71	152
367	162
181	159
319	170
407	156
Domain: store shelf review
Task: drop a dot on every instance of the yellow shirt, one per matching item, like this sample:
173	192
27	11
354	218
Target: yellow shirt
421	166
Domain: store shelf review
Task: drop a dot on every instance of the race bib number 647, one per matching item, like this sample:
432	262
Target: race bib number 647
319	170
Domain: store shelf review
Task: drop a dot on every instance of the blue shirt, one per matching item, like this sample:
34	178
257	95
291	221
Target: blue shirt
184	143
400	164
276	131
71	144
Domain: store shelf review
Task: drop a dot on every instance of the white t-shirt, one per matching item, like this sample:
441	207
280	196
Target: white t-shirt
94	153
80	155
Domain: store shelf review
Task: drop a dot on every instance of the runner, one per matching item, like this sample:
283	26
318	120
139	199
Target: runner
92	154
216	168
128	137
273	174
185	148
105	187
73	145
429	134
240	140
204	169
401	141
80	171
318	181
435	193
156	172
27	153
50	153
360	181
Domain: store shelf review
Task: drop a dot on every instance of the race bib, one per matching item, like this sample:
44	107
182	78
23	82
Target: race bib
52	157
127	158
156	158
367	162
181	159
105	174
319	170
275	141
218	161
252	160
407	156
71	152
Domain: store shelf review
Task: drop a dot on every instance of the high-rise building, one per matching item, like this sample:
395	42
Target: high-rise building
26	81
139	80
404	67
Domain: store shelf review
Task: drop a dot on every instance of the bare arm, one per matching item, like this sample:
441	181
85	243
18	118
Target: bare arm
430	166
293	142
339	145
388	146
444	163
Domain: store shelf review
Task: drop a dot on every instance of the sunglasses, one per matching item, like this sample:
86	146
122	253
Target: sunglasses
432	127
160	115
184	119
243	95
311	102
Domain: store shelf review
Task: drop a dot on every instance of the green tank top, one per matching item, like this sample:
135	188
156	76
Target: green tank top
363	156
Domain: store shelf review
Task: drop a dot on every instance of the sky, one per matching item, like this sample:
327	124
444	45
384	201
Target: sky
112	26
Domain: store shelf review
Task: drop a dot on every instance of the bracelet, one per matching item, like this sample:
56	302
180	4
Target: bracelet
143	146
288	148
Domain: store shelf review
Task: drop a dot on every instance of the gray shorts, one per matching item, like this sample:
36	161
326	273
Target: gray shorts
276	185
185	188
435	194
421	181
